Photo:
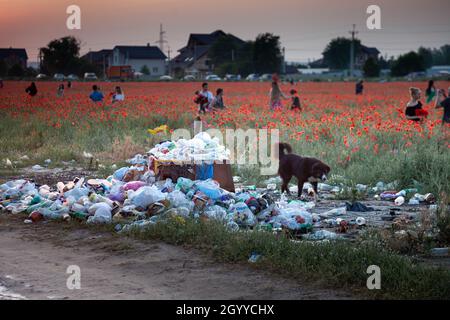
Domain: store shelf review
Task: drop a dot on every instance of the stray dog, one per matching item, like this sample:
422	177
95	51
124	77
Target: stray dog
304	169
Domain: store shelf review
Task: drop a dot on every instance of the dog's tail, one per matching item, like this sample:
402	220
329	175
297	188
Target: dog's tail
283	148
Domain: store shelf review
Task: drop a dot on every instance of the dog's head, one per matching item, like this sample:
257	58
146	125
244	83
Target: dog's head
321	171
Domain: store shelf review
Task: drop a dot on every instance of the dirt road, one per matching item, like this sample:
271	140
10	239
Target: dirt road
34	260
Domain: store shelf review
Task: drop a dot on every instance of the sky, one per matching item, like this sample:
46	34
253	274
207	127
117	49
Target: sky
305	26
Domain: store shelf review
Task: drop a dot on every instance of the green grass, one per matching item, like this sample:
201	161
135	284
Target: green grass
335	264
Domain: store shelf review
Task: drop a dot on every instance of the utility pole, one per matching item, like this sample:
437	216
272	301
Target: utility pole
353	32
168	61
283	66
162	40
40	59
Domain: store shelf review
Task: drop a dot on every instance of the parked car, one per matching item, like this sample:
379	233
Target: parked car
252	77
232	77
59	77
41	76
166	78
72	77
213	77
266	77
189	77
90	76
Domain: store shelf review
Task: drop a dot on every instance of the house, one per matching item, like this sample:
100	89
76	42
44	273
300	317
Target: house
360	58
139	57
364	54
100	59
13	56
193	59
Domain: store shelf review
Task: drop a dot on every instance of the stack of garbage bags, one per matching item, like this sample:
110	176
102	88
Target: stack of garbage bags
201	148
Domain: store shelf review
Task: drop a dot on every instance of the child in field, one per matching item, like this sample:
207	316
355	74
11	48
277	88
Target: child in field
276	94
96	95
201	101
218	100
296	105
414	110
32	90
430	93
1	83
60	91
118	95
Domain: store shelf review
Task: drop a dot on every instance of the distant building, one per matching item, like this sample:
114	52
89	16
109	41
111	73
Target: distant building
360	58
193	59
135	56
291	69
139	56
101	59
13	56
364	54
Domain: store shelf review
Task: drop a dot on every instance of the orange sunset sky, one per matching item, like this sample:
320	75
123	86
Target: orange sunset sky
305	26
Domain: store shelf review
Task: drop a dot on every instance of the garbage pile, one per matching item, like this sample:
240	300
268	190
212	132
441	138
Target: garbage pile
133	197
139	203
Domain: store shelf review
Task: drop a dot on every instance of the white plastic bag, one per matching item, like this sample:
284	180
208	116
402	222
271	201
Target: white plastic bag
145	196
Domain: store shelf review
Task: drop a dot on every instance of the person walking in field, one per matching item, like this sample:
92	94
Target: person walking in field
1	83
32	90
359	87
96	95
443	101
276	94
430	93
414	110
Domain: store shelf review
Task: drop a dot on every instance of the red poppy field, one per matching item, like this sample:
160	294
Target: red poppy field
365	139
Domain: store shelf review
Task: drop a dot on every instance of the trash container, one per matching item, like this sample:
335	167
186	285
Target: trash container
175	169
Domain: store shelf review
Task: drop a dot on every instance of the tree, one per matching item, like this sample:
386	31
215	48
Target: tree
427	56
407	63
371	68
61	56
267	54
224	50
337	53
145	70
16	71
3	68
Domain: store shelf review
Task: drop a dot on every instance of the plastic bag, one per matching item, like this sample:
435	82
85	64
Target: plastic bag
133	185
216	213
178	199
184	184
210	188
334	212
77	193
120	173
321	235
242	215
102	213
145	196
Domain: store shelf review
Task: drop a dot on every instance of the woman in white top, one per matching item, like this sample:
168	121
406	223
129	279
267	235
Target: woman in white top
118	95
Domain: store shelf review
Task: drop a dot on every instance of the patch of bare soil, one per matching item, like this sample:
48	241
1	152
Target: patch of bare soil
35	258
